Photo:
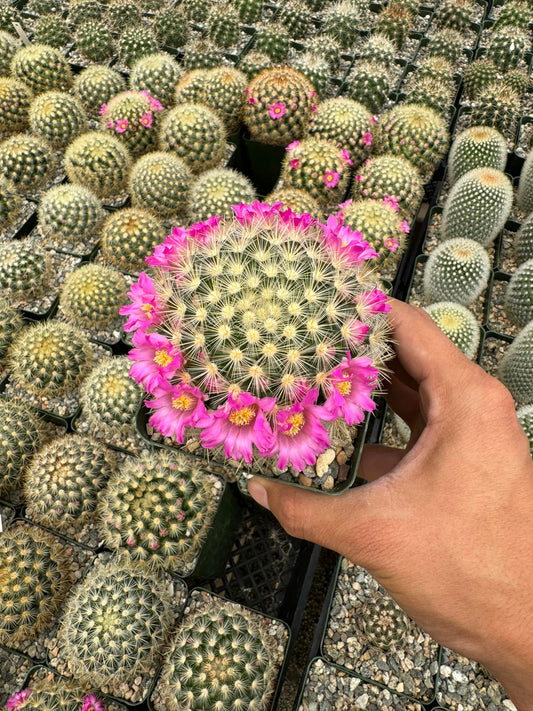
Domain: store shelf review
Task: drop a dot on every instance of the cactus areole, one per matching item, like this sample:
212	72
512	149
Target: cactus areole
258	329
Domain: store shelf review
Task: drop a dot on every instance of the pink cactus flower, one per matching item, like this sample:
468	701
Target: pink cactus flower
175	408
110	124
391	244
358	177
392	202
345	157
18	699
372	302
367	139
276	111
251	100
122	125
147	119
292	145
405	227
156	359
345	204
154	103
102	109
345	243
331	178
247	213
351	383
202	231
295	163
374	119
354	331
92	703
144	311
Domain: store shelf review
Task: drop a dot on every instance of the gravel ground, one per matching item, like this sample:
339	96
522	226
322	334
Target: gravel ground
13	671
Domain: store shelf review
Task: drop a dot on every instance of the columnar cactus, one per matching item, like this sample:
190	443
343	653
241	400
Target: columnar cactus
22	432
225	93
299	201
24	269
395	22
94	41
455	14
223	25
525	417
216	191
279	105
478	206
524	196
128	236
159	508
52	30
384	623
15	100
507	46
64	479
369	84
50	358
160	182
265	319
254	62
10	204
523	241
92	295
136	42
9	44
194	133
458	323
35	577
27	162
99	161
250	11
133	117
294	16
274	41
57	117
42	68
518	302
446	43
312	66
10	324
476	147
70	214
496	106
346	123
378	49
457	270
157	74
96	85
479	76
343	20
516	367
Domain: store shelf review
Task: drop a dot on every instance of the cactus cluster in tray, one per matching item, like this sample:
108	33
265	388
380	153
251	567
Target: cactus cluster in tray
476	147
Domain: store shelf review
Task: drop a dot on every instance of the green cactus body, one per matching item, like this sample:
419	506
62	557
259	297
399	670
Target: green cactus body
201	54
457	270
171	28
318	167
50	358
63	482
8	15
525	417
390	176
197	10
316	5
81	11
428	92
27	162
378	49
347	124
524	196
99	161
158	74
223	25
516	367
458	323
476	147
159	508
24	269
128	236
35	577
133	117
395	22
250	11
415	132
52	30
194	133
508	46
22	432
190	89
330	51
160	182
384	624
10	204
294	16
221	657
412	5
344	19
437	68
368	83
123	14
381	225
109	398
478	206
455	14
43	7
224	94
92	295
517	80
315	68
254	62
11	323
52	694
15	101
94	41
216	190
9	44
70	214
518	302
496	106
123	609
299	201
96	85
57	117
280	104
134	43
273	40
516	14
479	76
523	241
42	68
446	43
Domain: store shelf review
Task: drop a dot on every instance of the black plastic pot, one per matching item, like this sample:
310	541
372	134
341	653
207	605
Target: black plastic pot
261	163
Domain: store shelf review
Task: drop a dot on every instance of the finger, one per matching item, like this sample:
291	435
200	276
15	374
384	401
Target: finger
378	460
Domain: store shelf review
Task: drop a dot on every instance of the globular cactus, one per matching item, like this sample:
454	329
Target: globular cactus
52	30
437	68
517	80
515	13
92	295
159	508
378	49
342	21
94	41
496	106
299	201
317	166
346	123
123	609
41	68
215	191
10	324
315	68
390	176
8	15
478	76
121	14
15	101
70	214
381	225
516	368
458	323
369	84
136	42
457	270
223	25
160	182
133	117
197	10
194	133
279	105
254	62
395	22
294	16
446	43
525	417
507	46
128	236
170	27
518	303
80	11
523	241
10	204
35	578
225	93
207	663
157	74
201	54
22	432
428	92
478	206
63	481
415	132
524	197
50	358
57	117
274	41
99	161
54	693
250	11
190	89
96	85
109	398
25	270
476	147
384	624
329	51
9	44
455	14
27	162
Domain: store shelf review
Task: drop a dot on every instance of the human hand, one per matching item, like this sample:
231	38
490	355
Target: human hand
445	525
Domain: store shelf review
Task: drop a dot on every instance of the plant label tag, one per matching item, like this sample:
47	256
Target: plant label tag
1	526
20	32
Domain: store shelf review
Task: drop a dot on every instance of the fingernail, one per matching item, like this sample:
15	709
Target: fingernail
258	493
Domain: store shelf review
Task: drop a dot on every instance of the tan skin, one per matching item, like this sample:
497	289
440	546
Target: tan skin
444	526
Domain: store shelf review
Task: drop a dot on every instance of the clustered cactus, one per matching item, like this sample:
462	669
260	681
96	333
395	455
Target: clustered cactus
133	117
47	694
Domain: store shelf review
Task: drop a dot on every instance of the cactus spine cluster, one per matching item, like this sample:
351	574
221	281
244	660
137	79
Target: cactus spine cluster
343	19
455	14
170	27
216	190
94	41
98	161
458	323
457	270
384	624
507	46
223	25
92	295
524	197
476	147
160	182
70	214
158	74
250	11
395	22
27	162
21	434
52	30
42	68
478	76
136	42
446	43
274	41
390	176
516	367
57	117
368	83
96	85
496	106
518	302
294	16
128	236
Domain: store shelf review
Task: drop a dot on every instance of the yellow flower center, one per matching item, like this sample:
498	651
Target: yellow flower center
162	358
243	416
345	388
183	402
296	421
147	308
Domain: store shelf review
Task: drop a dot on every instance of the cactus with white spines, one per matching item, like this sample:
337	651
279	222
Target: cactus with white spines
523	241
516	367
524	197
476	147
458	323
457	270
518	303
